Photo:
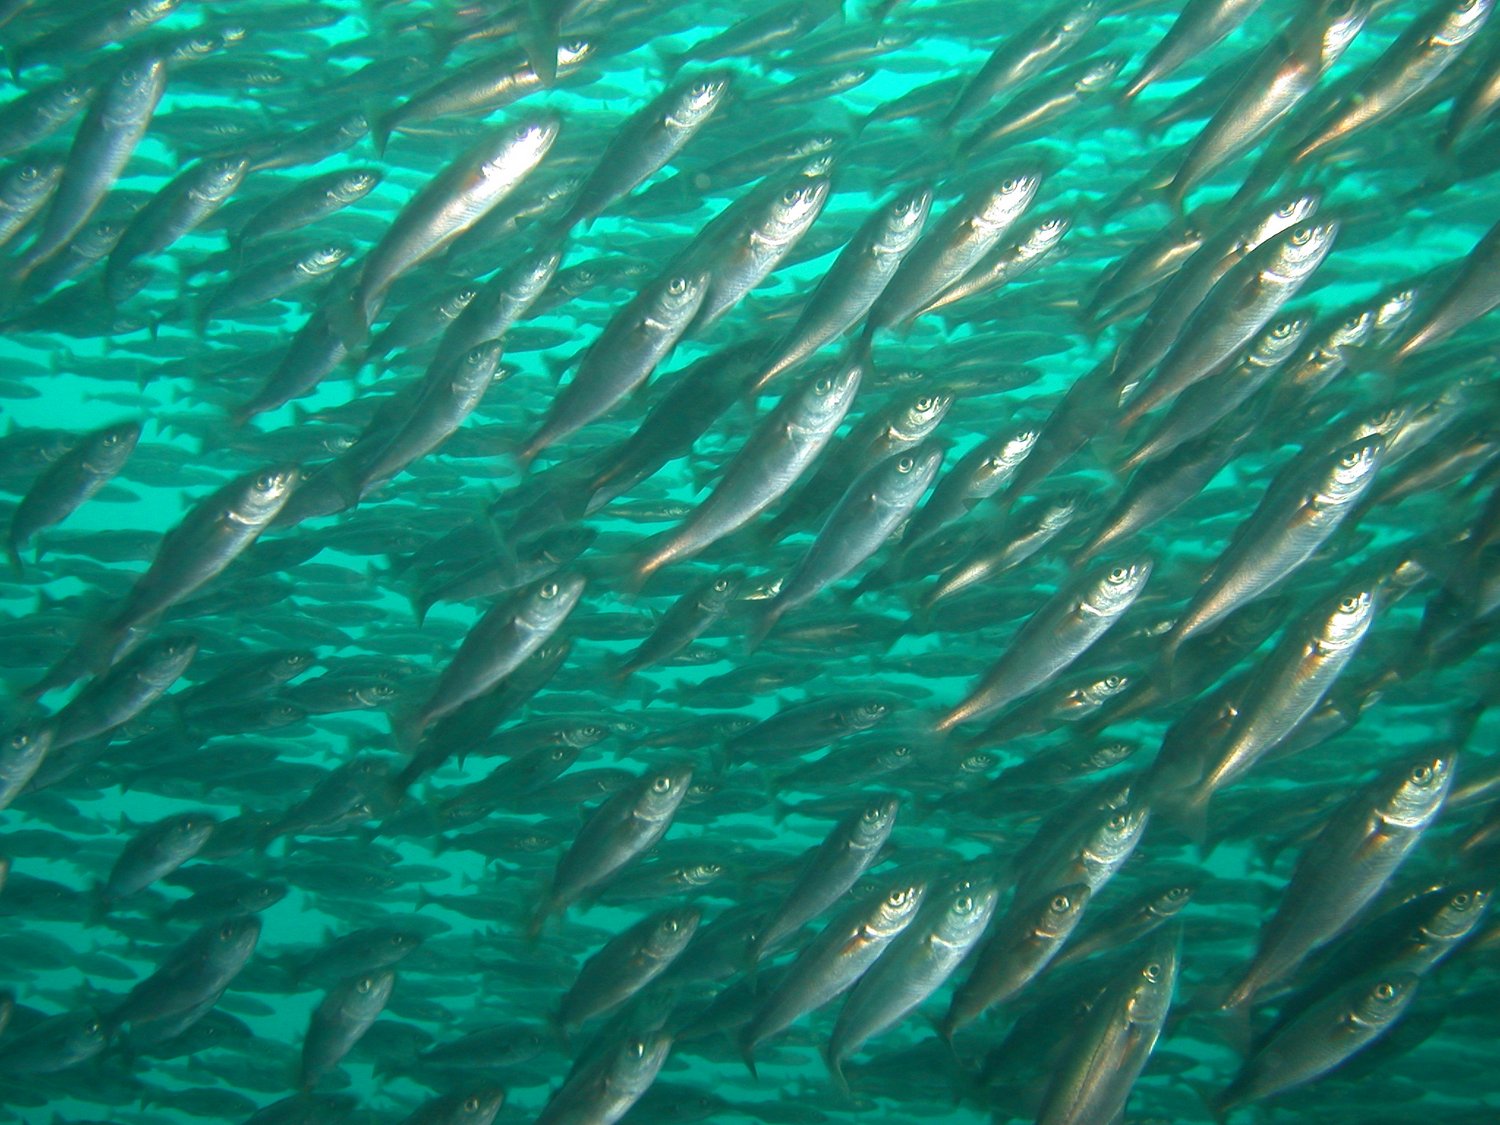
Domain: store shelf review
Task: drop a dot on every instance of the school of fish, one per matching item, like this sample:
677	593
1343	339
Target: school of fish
593	560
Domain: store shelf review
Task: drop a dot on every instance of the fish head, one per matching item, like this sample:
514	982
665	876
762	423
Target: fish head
1461	22
1110	753
1419	791
1276	345
1457	914
475	369
480	1106
1013	451
637	1060
168	658
573	53
1046	234
551	599
110	447
459	300
260	496
922	413
672	931
1383	1001
799	203
135	88
1115	587
1345	20
874	822
1394	311
1100	73
1351	470
1149	992
354	185
1172	900
897	907
716	594
1116	836
231	941
31	179
1350	620
1303	250
521	148
1005	202
904	218
698	99
828	396
321	259
677	299
1060	910
968	907
662	791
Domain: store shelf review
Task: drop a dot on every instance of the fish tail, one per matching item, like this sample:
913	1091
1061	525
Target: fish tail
13	552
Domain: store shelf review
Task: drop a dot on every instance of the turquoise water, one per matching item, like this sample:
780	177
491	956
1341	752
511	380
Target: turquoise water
394	850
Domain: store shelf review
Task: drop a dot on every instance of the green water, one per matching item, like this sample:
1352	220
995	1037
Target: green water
342	587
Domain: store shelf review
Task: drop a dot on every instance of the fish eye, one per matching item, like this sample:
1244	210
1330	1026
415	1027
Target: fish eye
1118	575
670	925
1349	605
721	584
471	1105
1460	900
129	77
661	785
1113	681
91	1028
265	482
677	286
896	898
791	196
637	1049
1421	775
905	465
364	985
1152	972
1061	903
1011	185
226	931
1302	237
901	751
823	385
963	904
926	403
1384	990
549	591
1118	822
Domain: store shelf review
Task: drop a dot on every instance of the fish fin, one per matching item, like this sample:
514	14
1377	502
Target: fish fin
747	1053
836	1069
1213	1100
420	603
99	904
762	626
406	730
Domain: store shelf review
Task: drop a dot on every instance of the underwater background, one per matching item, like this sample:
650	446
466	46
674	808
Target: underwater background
364	680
